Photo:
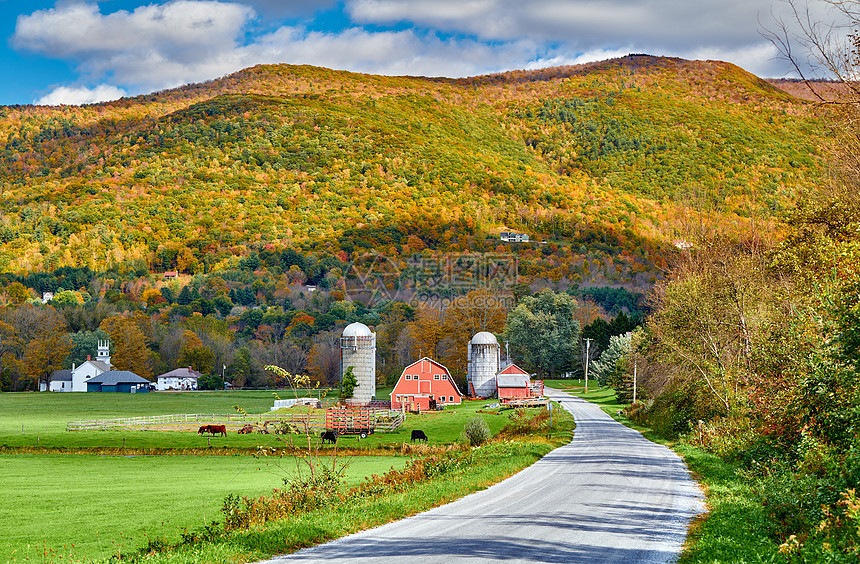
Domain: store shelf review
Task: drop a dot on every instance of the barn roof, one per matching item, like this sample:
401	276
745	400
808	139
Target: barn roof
114	377
512	380
439	364
513	369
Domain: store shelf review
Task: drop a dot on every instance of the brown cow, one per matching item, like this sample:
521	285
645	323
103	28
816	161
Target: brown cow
213	430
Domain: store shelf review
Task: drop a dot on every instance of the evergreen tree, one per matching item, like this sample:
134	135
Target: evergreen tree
348	384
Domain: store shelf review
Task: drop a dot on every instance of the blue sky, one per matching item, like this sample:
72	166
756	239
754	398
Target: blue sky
76	51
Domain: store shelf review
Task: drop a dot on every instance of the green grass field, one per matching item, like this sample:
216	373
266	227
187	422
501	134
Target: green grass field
92	505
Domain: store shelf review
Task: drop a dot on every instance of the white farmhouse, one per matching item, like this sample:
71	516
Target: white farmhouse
61	381
179	379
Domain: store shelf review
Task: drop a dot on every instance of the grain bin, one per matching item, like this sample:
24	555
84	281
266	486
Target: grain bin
358	349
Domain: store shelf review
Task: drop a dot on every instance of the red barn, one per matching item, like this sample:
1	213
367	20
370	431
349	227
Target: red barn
513	383
423	381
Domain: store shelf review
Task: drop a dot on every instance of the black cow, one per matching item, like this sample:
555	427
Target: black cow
329	437
418	435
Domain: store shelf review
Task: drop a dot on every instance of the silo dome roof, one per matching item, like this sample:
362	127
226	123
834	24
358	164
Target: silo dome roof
484	338
356	330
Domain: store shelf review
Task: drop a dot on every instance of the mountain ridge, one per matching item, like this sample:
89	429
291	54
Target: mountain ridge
614	152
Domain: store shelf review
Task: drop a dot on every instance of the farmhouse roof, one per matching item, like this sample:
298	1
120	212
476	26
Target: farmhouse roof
114	377
103	366
61	376
181	373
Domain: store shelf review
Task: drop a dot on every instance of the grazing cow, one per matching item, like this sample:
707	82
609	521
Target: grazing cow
329	437
247	429
418	435
213	430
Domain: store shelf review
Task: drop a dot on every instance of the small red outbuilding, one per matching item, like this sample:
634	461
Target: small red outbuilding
423	381
514	383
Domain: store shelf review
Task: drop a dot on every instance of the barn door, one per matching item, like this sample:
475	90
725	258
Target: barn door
425	387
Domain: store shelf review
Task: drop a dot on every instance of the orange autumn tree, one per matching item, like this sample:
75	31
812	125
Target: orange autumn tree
194	354
49	347
482	309
130	336
426	333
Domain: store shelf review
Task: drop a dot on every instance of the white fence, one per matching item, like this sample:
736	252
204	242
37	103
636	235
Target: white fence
312	422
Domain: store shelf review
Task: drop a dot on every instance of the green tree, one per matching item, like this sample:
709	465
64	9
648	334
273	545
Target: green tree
613	368
348	384
239	371
543	333
84	344
223	304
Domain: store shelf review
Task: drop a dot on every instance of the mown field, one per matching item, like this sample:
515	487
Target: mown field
84	496
95	506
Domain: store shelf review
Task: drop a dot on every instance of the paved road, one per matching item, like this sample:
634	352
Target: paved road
608	496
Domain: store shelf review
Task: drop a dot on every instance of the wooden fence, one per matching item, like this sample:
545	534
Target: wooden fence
313	422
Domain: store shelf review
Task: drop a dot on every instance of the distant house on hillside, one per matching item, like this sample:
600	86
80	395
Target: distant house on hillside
179	379
121	381
514	237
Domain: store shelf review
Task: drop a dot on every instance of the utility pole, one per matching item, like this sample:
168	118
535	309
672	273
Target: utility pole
634	380
587	355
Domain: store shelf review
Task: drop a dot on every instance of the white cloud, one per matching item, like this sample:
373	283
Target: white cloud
72	96
588	22
154	46
159	46
391	53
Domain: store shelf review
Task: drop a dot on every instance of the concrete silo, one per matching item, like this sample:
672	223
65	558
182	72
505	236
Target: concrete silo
482	364
358	349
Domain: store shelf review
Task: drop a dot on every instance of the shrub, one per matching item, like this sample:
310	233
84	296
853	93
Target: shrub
476	432
298	496
527	421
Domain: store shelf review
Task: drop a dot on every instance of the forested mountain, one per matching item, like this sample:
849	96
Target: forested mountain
608	162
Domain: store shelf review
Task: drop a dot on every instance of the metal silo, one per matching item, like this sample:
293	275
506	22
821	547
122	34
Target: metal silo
482	364
358	349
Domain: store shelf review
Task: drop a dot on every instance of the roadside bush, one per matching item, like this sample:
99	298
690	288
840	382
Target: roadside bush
476	432
298	496
677	410
526	421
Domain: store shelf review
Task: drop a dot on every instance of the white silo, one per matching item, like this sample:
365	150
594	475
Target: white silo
482	364
358	349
